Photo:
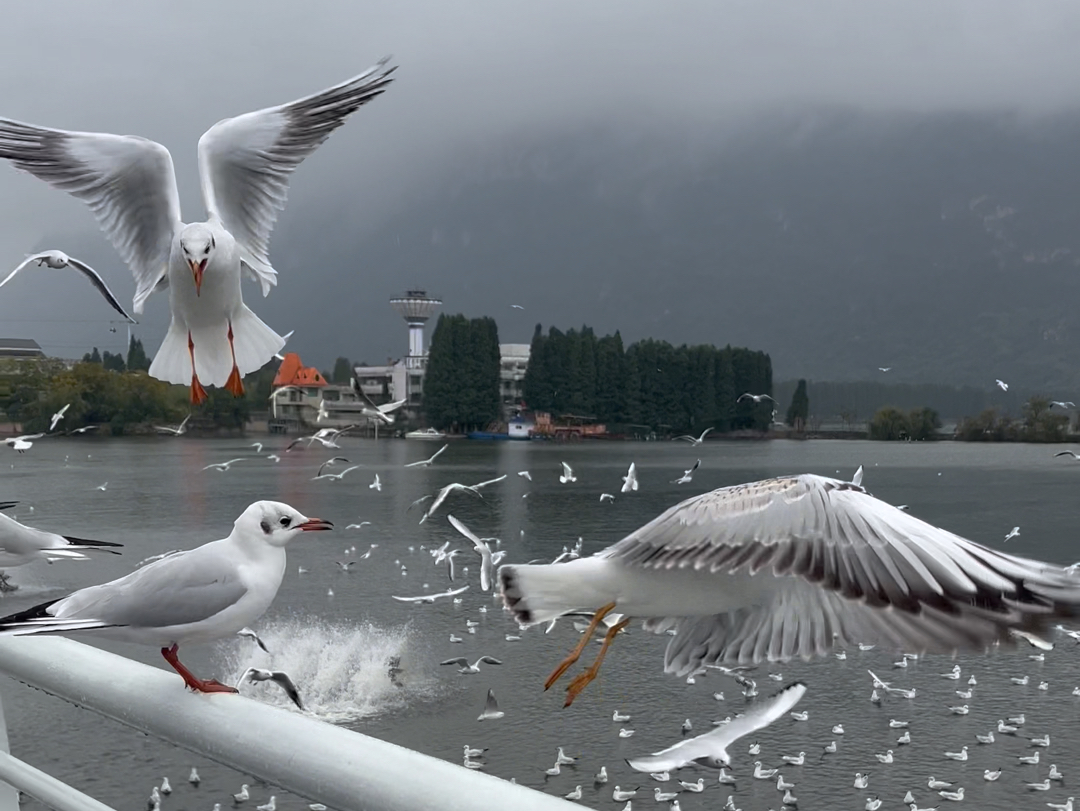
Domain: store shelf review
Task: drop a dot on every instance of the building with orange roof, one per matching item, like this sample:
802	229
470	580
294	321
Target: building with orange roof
292	372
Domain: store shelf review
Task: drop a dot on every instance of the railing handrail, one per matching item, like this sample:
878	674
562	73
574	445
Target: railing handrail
346	770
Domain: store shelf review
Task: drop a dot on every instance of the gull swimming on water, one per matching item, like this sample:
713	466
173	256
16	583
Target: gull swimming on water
200	595
695	441
711	748
245	164
791	567
59	260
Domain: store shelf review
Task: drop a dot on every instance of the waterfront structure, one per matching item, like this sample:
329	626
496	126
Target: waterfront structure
21	349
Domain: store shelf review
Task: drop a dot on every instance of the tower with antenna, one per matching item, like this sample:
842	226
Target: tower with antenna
416	307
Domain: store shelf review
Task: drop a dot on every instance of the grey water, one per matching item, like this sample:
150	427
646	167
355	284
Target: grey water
158	498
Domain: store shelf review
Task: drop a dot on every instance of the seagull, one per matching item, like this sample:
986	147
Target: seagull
695	441
884	368
935	784
59	415
269	805
376	485
619	718
280	677
175	431
630	482
245	164
961	755
223	466
83	429
1067	404
254	637
991	776
330	463
337	476
194	778
711	748
442	495
525	475
1013	533
59	260
1002	385
762	570
22	443
430	598
487	574
757	398
464	666
606	497
380	413
243	794
987	738
688	475
1043	786
567	474
1073	454
861	780
206	593
1065	806
20	544
427	462
618	795
491	708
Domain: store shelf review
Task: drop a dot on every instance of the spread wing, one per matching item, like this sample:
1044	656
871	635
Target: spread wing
127	181
712	746
854	568
245	162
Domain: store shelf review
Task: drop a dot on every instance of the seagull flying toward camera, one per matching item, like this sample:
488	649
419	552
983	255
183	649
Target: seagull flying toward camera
695	441
757	398
427	462
245	164
688	475
59	260
884	368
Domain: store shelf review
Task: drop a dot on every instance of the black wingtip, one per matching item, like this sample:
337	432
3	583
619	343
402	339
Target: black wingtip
7	505
87	542
34	613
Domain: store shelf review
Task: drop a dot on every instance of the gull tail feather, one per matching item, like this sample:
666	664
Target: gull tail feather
108	547
254	342
540	593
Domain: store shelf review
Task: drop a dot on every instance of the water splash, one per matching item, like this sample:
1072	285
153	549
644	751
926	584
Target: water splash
342	671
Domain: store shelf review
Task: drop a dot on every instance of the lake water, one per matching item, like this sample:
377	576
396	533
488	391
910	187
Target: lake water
336	648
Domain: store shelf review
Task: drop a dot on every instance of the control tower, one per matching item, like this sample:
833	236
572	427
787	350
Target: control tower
416	307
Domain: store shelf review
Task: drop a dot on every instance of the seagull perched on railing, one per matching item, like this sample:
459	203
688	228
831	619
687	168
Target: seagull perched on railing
245	164
736	571
59	260
207	593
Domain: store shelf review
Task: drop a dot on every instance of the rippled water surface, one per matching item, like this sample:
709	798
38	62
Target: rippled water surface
336	647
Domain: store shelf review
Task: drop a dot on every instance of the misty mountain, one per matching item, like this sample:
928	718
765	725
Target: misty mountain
941	245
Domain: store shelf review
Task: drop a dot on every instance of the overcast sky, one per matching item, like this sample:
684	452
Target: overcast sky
470	73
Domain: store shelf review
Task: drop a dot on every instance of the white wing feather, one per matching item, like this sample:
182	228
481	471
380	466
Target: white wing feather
127	181
245	162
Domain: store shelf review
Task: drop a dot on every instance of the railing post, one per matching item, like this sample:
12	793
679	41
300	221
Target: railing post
9	797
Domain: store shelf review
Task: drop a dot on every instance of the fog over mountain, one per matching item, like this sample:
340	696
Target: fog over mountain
846	188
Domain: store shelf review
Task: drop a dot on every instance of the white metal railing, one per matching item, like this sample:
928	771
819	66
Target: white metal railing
322	762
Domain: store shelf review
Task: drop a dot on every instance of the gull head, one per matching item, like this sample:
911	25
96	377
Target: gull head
275	523
197	242
54	259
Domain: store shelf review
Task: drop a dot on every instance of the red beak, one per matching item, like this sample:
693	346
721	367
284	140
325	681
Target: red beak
197	269
315	525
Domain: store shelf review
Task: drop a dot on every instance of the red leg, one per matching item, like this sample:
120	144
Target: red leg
575	654
234	384
587	675
196	684
198	393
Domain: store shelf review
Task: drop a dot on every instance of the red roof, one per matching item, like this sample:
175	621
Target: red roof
292	372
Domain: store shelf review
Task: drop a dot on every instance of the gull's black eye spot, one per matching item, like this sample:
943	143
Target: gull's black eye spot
265	527
285	521
213	243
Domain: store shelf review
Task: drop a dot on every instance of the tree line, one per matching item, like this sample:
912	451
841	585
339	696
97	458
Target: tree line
461	384
650	383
